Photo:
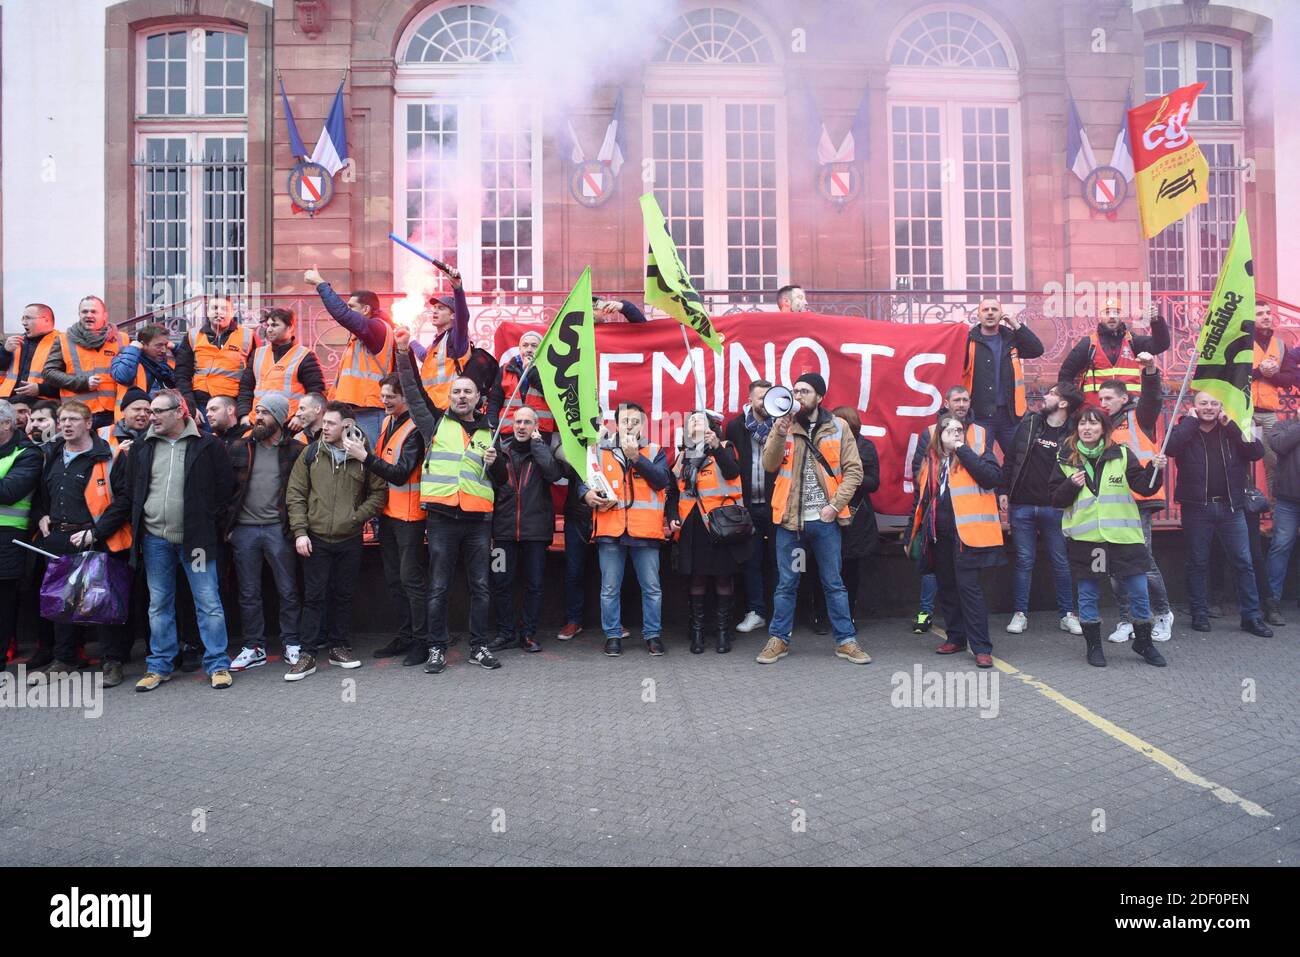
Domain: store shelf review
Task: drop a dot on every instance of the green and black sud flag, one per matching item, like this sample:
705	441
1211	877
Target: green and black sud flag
1225	352
566	365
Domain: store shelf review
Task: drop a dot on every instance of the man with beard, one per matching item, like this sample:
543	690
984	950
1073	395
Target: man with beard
1111	352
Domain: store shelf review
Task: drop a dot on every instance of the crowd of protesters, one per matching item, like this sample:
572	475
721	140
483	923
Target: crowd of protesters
215	462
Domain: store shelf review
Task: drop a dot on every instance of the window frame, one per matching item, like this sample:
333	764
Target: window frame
195	79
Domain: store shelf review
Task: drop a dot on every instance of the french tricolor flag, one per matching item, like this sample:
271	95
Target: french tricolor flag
1078	151
332	148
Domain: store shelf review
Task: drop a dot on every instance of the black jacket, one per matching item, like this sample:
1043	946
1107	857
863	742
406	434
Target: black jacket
1187	445
523	510
741	444
242	451
1080	357
409	456
1284	439
1013	466
309	375
62	492
861	535
208	491
984	403
18	483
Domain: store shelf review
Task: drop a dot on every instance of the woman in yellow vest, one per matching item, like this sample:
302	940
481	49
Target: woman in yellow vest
956	532
1103	528
706	477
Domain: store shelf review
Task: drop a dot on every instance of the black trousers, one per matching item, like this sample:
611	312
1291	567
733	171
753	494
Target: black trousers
329	577
401	546
961	598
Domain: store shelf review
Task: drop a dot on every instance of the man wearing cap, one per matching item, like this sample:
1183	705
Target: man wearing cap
503	399
1111	352
258	529
818	469
445	359
992	372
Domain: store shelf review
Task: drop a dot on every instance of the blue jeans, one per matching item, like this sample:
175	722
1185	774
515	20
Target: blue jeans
576	535
1001	428
823	540
1200	524
161	559
1134	587
1027	523
929	592
369	421
1286	522
1159	595
613	560
760	569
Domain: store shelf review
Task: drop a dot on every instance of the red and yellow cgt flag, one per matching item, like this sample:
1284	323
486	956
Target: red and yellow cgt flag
1171	172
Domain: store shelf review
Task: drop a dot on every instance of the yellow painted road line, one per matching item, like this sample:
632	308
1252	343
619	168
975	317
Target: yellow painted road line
1166	761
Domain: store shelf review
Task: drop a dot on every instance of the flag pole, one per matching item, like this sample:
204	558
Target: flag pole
695	372
501	419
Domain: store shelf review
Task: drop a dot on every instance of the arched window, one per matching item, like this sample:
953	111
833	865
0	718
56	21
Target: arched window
954	150
468	154
191	132
1189	258
719	157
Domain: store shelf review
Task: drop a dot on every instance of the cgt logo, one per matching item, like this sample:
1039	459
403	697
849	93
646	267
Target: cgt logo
1167	132
75	910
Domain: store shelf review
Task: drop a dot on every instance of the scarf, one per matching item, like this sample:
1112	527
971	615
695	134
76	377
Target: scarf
692	459
1090	456
158	372
83	337
758	428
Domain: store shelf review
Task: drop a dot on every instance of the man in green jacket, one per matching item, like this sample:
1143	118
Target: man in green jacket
330	498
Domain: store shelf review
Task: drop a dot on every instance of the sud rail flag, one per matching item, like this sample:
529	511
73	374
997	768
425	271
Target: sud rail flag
566	365
667	283
1172	175
1225	352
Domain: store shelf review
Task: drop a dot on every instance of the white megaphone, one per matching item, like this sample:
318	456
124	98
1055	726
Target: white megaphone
778	401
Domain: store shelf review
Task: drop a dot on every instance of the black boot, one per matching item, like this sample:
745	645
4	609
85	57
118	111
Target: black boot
724	623
697	624
397	646
1273	613
1143	646
1092	635
416	654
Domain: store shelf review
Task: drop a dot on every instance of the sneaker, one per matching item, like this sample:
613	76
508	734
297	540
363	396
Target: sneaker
304	666
291	653
655	646
1070	623
341	656
850	651
1123	632
248	658
1163	629
436	662
773	651
922	623
112	674
53	668
484	659
221	678
568	631
1019	622
151	680
752	621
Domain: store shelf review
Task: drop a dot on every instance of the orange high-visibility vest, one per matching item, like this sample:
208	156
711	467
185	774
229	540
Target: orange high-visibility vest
217	370
829	446
535	400
9	381
1126	368
403	500
99	494
641	511
278	377
360	371
438	371
974	509
711	488
1017	370
1144	449
87	362
1266	396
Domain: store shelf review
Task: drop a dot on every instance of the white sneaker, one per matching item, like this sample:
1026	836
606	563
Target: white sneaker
752	621
1123	632
291	653
248	658
1071	624
1018	623
1163	629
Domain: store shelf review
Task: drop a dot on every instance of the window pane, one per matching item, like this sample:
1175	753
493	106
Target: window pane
918	223
987	188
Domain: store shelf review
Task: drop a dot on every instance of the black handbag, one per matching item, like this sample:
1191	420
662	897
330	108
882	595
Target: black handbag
1256	501
730	523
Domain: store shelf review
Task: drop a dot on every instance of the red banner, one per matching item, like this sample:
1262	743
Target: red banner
893	374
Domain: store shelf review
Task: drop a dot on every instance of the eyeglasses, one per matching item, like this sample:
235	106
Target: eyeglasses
170	408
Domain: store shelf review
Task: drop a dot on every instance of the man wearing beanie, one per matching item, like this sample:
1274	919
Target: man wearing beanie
132	425
258	529
815	458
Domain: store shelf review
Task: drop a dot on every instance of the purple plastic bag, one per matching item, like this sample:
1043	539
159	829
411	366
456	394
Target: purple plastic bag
87	588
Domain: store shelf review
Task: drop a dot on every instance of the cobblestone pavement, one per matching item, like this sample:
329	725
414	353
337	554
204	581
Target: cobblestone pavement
569	757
